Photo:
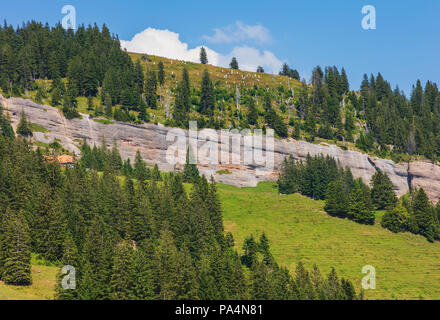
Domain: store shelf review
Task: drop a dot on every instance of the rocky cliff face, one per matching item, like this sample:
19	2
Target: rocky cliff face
151	141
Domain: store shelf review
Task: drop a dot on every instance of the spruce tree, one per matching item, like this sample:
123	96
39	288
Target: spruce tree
167	266
182	104
150	89
143	276
203	56
5	125
207	99
252	112
336	202
382	193
261	288
24	127
161	73
70	257
108	106
17	260
190	172
422	212
121	284
358	208
395	219
234	63
141	171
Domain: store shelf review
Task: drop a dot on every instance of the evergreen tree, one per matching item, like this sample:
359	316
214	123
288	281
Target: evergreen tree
17	255
121	284
260	69
155	173
70	257
336	202
382	193
203	56
358	208
422	213
395	219
252	113
190	172
234	64
108	106
207	99
182	104
161	74
167	264
151	89
143	276
141	171
5	125
24	127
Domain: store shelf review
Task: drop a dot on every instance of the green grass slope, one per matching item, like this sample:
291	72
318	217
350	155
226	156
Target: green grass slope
42	288
407	266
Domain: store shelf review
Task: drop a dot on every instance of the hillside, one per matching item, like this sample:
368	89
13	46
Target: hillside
224	77
300	230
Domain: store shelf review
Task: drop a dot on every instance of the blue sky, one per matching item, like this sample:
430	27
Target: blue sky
404	47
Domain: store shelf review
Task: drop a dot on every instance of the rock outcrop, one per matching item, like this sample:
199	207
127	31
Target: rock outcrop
151	141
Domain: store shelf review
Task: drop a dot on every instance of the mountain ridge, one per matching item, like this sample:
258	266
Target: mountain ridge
150	139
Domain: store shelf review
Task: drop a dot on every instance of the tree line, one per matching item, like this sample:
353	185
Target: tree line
89	62
322	178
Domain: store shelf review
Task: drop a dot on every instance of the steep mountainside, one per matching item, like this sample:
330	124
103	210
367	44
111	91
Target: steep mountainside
152	142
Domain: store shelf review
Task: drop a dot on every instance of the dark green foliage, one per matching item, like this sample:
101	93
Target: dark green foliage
292	73
155	174
5	126
141	172
182	104
108	106
359	209
382	192
190	172
396	219
252	113
207	100
336	201
150	89
121	283
310	178
15	259
24	127
71	257
260	69
161	73
273	119
203	56
234	63
422	215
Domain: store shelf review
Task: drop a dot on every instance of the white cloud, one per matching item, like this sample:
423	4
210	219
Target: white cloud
239	32
250	58
166	43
